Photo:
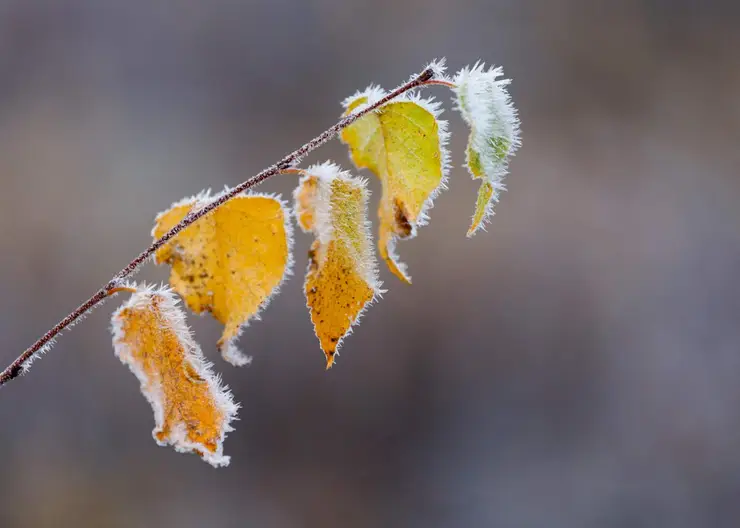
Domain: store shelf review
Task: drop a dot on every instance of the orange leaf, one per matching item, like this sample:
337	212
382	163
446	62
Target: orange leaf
192	410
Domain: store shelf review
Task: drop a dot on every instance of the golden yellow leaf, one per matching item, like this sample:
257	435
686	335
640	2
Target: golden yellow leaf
404	144
192	411
342	272
229	262
486	107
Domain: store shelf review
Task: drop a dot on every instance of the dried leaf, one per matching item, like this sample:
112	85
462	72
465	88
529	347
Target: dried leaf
192	410
404	144
229	262
494	133
342	272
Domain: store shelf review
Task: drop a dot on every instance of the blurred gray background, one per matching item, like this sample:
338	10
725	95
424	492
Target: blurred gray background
578	365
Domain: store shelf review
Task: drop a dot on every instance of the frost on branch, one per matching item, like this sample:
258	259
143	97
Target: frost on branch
486	106
192	410
342	272
230	262
404	144
438	67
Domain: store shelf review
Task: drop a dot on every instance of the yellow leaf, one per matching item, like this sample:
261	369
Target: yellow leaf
229	262
486	107
404	144
192	411
342	272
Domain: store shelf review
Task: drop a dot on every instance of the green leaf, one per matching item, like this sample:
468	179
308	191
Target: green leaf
486	107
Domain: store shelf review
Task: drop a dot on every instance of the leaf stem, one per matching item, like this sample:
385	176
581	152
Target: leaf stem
440	83
293	170
121	289
115	284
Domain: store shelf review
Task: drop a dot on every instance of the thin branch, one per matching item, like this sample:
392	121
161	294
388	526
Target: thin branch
114	285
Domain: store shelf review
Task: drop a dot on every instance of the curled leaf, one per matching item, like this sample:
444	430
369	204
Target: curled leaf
230	262
192	410
486	107
342	272
305	201
404	144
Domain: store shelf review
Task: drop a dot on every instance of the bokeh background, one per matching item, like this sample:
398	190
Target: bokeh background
578	365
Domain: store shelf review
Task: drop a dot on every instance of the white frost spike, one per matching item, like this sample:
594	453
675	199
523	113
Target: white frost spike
159	385
231	354
486	106
37	355
374	93
438	67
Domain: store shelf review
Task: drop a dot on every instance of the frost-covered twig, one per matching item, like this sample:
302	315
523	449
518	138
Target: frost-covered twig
116	284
